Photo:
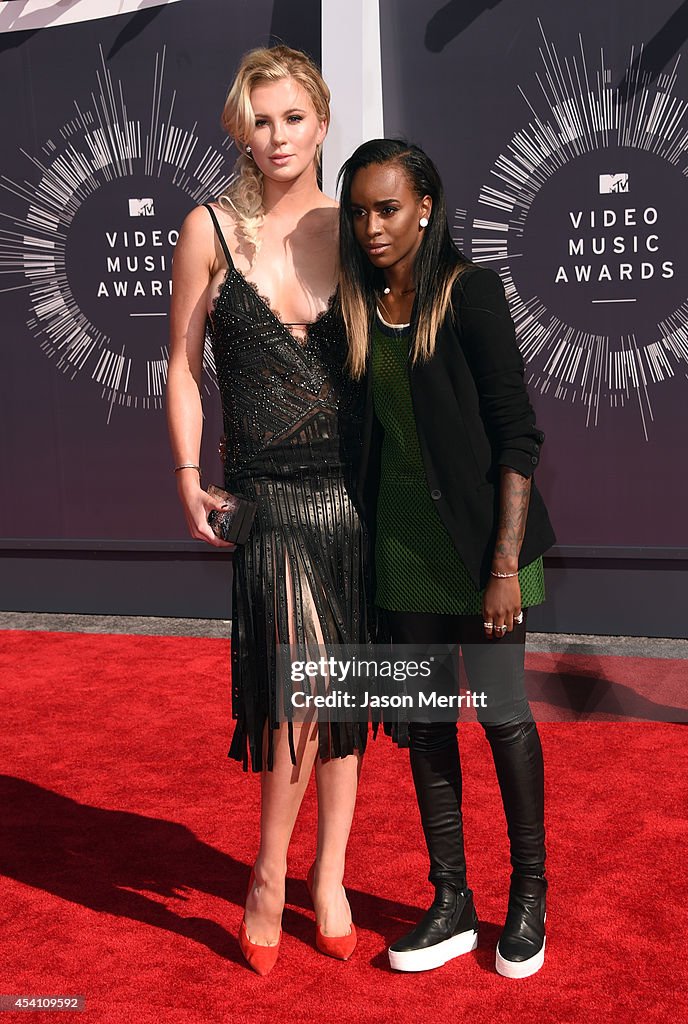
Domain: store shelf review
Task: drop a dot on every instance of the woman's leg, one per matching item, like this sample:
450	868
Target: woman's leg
282	791
449	928
436	770
337	783
496	667
518	760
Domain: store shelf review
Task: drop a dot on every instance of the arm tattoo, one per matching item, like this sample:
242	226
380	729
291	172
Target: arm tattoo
514	494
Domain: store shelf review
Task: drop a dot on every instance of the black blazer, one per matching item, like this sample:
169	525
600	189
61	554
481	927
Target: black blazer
472	415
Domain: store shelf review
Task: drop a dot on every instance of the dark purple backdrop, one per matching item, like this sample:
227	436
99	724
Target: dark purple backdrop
84	440
613	466
80	461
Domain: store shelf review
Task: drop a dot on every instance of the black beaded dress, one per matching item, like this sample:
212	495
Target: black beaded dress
292	420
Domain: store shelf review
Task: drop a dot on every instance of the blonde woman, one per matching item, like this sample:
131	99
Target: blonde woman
262	265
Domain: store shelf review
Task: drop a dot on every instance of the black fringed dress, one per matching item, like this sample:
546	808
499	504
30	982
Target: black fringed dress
292	420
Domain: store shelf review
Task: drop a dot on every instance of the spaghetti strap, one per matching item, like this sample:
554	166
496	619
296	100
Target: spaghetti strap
218	229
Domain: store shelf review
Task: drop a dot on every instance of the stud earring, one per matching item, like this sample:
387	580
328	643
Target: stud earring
249	152
424	222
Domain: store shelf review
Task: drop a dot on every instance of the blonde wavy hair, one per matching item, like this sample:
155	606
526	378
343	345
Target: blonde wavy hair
264	64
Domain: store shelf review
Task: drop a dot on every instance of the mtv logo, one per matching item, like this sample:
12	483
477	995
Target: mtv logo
141	208
613	183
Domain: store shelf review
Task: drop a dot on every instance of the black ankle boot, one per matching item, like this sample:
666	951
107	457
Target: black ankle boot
521	948
448	929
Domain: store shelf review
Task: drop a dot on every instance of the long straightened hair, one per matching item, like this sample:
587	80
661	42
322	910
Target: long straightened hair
437	265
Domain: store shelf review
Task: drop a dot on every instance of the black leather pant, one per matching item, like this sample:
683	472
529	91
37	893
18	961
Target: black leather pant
496	668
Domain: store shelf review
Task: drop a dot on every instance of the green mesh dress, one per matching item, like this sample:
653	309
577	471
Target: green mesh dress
417	566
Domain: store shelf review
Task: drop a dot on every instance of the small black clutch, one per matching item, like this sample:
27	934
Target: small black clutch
233	523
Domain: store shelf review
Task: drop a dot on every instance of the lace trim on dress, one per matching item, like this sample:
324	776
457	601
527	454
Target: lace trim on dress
278	316
300	339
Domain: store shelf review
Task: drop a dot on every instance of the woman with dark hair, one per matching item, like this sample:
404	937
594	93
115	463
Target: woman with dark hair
260	267
459	528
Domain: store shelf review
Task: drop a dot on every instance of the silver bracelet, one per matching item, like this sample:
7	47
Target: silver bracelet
503	575
189	465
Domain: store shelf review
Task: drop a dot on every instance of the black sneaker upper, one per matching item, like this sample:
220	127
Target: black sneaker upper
524	929
451	913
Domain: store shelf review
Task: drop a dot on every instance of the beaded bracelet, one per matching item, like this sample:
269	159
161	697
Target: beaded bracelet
503	575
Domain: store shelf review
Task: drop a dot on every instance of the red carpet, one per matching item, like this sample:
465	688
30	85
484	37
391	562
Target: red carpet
127	835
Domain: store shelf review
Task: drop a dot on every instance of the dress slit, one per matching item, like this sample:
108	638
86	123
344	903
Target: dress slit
292	421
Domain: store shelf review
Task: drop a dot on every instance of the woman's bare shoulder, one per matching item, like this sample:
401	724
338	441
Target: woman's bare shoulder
198	231
195	243
229	222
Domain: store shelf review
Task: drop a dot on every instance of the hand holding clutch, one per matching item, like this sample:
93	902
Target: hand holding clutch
233	523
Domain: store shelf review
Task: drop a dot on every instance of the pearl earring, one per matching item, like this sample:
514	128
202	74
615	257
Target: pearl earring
424	222
386	291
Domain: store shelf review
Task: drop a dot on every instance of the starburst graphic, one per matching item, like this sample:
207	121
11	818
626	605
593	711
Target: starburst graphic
459	227
592	132
105	143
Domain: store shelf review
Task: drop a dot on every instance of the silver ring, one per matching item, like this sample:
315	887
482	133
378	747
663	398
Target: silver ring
488	625
500	629
519	618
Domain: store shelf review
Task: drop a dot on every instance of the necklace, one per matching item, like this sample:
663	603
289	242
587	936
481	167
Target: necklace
386	291
404	291
395	327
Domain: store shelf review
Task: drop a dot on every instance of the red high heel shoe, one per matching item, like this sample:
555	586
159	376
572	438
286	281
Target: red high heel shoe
261	958
338	946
